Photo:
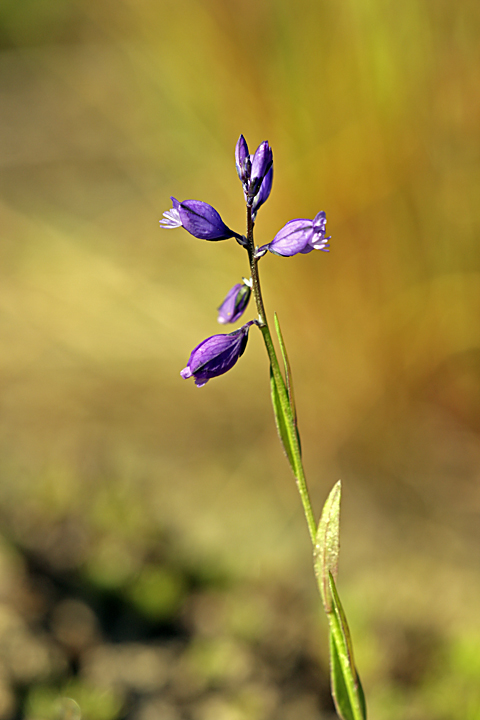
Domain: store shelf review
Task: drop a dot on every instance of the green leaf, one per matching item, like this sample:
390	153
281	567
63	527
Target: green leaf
288	379
281	420
339	687
327	544
286	365
347	689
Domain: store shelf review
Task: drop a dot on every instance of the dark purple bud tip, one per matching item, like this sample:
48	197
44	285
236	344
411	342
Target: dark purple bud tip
216	355
235	303
301	236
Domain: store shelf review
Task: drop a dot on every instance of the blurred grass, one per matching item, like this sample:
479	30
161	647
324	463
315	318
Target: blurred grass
372	109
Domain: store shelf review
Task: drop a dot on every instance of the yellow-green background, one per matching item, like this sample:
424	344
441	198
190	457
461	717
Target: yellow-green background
372	108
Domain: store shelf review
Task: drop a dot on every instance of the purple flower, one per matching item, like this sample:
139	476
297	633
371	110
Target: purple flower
235	303
198	218
300	236
216	355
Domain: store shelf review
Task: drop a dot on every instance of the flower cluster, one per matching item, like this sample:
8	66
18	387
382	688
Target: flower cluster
255	172
219	353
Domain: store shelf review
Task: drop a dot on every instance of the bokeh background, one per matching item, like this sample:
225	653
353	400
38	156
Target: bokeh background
154	562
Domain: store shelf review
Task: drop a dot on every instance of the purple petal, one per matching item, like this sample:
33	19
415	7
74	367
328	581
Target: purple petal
320	222
292	238
203	221
216	355
318	240
263	193
242	159
307	249
235	304
261	164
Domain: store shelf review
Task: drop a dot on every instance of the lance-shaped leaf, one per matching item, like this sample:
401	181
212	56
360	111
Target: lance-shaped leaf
281	418
347	689
288	378
327	545
338	683
286	365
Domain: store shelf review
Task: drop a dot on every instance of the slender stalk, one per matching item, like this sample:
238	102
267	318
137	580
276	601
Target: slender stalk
257	292
297	465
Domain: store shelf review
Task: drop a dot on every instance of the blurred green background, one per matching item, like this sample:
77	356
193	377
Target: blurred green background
154	561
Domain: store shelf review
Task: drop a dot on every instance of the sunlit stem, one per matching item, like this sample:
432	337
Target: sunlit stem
297	465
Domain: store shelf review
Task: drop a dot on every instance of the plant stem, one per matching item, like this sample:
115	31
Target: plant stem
296	461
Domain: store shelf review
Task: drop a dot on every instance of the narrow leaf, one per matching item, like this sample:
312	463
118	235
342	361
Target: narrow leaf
340	694
327	544
344	673
286	364
281	420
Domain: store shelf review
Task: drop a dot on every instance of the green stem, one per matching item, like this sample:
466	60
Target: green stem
297	465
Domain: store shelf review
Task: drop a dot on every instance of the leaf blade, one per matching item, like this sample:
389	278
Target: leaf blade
286	365
344	674
327	544
281	420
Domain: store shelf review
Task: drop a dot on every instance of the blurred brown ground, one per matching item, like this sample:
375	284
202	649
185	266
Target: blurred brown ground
141	517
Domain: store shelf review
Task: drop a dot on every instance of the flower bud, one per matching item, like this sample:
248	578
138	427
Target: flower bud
261	164
235	303
216	355
242	160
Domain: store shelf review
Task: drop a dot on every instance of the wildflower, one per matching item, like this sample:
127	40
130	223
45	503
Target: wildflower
300	236
235	303
216	355
198	218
